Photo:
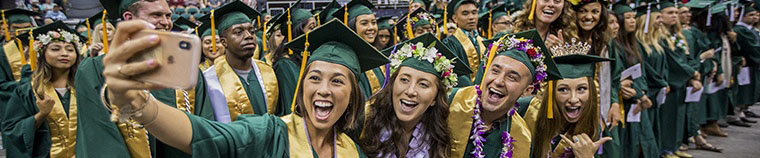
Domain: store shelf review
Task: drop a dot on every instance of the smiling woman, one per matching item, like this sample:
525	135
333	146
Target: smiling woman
553	19
591	18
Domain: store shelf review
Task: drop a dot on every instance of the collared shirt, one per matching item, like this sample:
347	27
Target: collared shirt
473	36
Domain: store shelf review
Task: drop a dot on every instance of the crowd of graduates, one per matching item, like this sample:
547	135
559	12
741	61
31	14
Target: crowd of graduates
448	78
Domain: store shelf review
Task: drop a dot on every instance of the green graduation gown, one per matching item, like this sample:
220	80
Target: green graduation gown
259	136
717	101
471	51
698	44
287	78
656	69
673	112
748	43
95	118
25	140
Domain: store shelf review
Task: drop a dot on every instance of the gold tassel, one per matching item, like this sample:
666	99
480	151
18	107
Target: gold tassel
300	74
5	26
345	15
550	101
395	32
258	21
196	31
445	20
532	10
491	55
21	50
105	34
89	34
32	51
622	109
213	32
290	35
264	39
316	17
409	33
490	21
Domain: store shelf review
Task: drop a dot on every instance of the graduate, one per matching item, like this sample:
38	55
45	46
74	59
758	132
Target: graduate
96	38
184	25
417	4
630	139
237	83
329	103
40	119
385	34
212	47
124	139
568	107
415	24
327	12
482	117
555	21
359	17
13	57
681	75
591	15
466	42
293	23
748	44
721	35
409	116
497	21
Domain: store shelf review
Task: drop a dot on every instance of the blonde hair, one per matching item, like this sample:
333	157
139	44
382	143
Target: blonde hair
676	30
97	34
566	21
654	33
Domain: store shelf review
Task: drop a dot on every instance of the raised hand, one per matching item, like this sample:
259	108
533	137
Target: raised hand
583	146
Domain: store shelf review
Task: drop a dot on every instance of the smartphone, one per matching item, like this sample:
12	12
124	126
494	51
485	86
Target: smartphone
178	55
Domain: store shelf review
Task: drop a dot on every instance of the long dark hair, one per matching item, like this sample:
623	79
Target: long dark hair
628	42
377	41
382	117
598	34
586	124
44	72
281	51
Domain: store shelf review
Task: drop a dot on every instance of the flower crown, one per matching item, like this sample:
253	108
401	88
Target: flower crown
440	63
534	52
422	16
572	48
58	35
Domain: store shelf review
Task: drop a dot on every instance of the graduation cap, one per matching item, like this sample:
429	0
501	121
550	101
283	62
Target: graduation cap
647	9
417	18
354	9
450	9
425	3
327	13
485	19
620	7
182	24
580	3
14	16
334	42
95	20
232	13
427	40
384	22
292	16
204	29
56	31
116	8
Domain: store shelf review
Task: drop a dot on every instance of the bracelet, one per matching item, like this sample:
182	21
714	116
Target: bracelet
155	117
124	115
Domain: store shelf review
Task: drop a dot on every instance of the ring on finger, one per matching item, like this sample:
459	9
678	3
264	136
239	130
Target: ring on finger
118	69
576	139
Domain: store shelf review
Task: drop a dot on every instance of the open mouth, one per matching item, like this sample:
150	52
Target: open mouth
549	12
408	106
494	95
322	110
572	111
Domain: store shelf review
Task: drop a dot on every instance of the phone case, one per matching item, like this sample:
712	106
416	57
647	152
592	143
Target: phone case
177	54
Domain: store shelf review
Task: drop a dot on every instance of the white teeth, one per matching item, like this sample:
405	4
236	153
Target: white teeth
411	103
495	91
547	11
322	104
574	107
587	22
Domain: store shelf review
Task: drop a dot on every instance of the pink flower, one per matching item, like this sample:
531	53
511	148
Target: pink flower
55	34
445	74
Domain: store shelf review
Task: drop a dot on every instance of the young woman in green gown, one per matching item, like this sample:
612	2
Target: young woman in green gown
286	65
329	101
41	117
409	116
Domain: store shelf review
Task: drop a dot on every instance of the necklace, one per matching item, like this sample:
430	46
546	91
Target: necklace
479	128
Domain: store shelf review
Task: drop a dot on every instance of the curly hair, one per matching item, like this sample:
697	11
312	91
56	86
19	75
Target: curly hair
566	21
382	116
588	122
597	36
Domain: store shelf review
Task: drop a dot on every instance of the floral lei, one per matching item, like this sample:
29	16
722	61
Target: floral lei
681	43
51	36
422	16
430	54
479	128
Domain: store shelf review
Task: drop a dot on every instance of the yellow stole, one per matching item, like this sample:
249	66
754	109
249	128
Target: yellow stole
14	58
469	48
135	138
374	82
234	92
205	65
181	105
63	128
560	149
460	121
270	84
299	143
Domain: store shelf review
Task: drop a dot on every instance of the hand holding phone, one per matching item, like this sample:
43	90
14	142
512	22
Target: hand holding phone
177	54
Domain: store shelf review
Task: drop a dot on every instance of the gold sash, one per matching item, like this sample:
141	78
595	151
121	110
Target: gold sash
234	92
299	142
560	149
460	121
374	82
270	84
63	128
205	65
181	100
14	58
136	139
469	48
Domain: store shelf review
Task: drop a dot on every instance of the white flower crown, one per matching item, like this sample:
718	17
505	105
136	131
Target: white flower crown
441	64
59	35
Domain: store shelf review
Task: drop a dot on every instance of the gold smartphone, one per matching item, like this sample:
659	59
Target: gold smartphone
177	54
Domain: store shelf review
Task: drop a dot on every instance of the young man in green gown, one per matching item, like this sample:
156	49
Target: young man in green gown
466	42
